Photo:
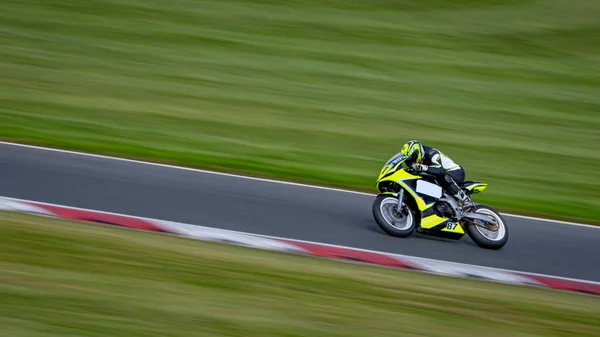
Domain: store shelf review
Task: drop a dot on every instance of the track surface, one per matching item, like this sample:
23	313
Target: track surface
269	208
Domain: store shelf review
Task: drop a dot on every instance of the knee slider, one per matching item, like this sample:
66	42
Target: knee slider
448	179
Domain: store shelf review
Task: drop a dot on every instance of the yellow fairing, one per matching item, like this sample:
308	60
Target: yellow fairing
453	227
434	220
401	175
431	221
398	177
384	171
476	188
389	168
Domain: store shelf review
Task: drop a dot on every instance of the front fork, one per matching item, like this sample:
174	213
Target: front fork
400	198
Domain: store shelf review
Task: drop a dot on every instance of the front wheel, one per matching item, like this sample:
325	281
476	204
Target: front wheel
485	238
398	224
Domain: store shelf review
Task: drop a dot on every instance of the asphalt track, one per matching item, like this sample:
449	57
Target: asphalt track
284	210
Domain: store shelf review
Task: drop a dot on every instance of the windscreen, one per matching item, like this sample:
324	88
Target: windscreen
396	159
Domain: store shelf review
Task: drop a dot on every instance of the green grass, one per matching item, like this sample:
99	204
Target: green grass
100	281
318	91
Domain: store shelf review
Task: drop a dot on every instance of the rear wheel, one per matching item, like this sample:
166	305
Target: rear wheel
485	238
398	224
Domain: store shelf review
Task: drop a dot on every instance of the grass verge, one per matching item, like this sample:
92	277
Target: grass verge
318	91
60	278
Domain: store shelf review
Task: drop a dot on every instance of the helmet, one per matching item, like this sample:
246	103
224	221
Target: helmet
413	149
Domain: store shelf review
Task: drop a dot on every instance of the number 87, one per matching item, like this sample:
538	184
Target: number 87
451	225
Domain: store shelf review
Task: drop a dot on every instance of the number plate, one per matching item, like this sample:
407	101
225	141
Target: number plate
429	189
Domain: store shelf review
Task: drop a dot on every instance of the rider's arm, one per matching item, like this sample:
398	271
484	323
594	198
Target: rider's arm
435	167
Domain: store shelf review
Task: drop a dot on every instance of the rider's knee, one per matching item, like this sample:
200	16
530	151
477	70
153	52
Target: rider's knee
448	179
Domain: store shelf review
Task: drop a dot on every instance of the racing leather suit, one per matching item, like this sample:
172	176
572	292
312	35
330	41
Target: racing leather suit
448	174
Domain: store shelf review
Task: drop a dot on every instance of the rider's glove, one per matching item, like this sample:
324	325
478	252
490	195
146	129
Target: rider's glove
419	167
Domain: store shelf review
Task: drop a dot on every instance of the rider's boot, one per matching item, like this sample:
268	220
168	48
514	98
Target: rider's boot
464	202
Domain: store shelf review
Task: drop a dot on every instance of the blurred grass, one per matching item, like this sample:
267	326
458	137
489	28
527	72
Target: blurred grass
100	281
318	91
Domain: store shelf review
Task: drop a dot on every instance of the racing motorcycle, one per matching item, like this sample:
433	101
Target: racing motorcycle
409	201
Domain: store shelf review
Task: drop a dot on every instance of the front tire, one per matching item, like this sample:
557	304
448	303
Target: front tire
486	238
390	220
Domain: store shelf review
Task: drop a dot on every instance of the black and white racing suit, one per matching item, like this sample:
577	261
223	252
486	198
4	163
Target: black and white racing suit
448	174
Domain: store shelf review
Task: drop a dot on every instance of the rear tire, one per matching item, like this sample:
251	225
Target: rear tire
485	238
388	219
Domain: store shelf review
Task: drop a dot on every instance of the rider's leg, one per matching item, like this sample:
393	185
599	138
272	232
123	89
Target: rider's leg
453	179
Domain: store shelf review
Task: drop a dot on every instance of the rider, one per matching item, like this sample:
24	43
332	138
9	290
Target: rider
432	161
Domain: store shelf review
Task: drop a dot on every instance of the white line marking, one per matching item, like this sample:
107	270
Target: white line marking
184	168
49	149
408	257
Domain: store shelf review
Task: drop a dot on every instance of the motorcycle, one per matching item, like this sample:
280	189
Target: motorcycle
410	201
